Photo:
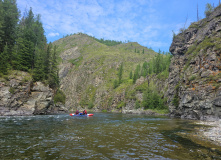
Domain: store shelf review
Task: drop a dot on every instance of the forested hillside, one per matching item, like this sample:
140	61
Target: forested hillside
83	71
110	75
23	45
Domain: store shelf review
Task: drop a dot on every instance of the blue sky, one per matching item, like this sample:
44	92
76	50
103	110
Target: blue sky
148	22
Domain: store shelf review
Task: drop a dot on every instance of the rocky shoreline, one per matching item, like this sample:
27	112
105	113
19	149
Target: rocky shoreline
212	131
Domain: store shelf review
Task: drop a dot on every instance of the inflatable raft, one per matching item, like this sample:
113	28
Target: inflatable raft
85	115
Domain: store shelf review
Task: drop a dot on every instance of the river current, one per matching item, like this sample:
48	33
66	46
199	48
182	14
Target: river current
103	136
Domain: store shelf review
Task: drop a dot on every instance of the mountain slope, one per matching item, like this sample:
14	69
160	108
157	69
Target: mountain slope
88	70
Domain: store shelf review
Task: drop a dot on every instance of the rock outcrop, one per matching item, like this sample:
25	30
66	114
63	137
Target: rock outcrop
19	96
194	90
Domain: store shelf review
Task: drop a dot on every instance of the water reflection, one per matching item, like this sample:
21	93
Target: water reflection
104	136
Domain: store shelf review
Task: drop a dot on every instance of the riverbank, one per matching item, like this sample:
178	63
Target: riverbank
211	131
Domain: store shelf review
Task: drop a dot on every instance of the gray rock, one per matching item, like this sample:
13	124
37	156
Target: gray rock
27	99
217	101
206	74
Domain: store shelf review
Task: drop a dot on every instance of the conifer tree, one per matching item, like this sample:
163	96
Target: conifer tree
47	60
131	75
39	72
1	25
9	18
53	78
209	9
4	60
120	73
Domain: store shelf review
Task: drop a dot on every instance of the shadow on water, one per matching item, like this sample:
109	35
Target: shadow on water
198	151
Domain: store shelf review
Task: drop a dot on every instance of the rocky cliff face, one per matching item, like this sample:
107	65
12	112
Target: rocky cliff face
195	72
20	96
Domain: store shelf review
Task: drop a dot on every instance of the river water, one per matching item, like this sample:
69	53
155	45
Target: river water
103	136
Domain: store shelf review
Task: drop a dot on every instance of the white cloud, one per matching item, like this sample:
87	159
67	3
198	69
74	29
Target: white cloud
53	34
118	20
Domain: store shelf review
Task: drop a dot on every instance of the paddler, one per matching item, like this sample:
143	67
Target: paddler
77	112
85	112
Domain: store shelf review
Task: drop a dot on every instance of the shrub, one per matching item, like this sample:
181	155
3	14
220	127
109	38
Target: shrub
120	105
209	10
193	77
12	90
90	105
115	85
137	104
176	99
59	97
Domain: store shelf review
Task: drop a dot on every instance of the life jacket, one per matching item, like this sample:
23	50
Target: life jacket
85	111
77	112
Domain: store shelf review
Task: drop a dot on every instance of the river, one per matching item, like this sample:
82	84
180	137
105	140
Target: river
103	136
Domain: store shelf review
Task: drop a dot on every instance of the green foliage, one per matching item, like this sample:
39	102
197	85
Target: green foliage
121	104
104	110
204	45
108	42
59	97
192	49
163	75
193	77
53	77
131	94
110	101
89	98
176	99
158	65
23	45
131	75
77	62
4	61
8	22
142	87
120	73
12	90
90	105
137	104
136	73
209	9
152	100
116	84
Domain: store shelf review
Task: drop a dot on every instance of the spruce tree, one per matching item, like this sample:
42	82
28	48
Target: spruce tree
131	75
10	18
120	73
53	78
47	60
1	26
4	60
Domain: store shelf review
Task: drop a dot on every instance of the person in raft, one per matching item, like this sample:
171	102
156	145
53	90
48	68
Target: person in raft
85	112
77	112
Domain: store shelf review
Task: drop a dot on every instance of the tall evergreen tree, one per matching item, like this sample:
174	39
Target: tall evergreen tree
120	73
53	73
10	16
47	60
4	61
31	40
39	70
131	75
1	25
